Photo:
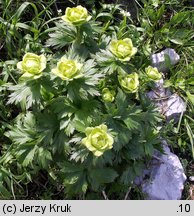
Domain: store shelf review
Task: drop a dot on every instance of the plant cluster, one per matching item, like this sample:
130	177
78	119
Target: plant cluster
83	115
75	118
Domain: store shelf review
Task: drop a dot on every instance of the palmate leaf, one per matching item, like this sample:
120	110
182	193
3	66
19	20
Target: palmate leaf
55	137
82	90
77	52
150	138
80	125
103	175
25	153
24	131
119	108
67	167
131	117
134	150
62	107
74	177
92	29
64	122
86	86
121	101
122	134
64	110
24	135
47	125
60	143
78	115
78	154
143	142
150	114
100	176
31	141
131	123
75	183
106	61
44	157
85	115
91	74
131	171
26	94
62	35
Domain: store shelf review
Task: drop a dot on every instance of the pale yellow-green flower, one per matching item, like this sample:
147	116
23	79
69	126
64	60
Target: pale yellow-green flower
32	65
76	15
153	73
108	95
67	69
123	49
129	83
97	140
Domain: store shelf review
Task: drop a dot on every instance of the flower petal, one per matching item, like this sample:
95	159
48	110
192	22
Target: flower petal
19	65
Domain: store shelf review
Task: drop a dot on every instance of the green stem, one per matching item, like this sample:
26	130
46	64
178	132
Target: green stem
79	36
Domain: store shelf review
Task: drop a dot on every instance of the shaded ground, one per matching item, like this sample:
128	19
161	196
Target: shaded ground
128	5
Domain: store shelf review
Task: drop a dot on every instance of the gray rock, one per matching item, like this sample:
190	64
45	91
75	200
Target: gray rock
160	61
167	177
168	104
191	178
175	106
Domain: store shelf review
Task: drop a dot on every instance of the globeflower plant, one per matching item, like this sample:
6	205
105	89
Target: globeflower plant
123	49
86	125
129	82
32	65
153	73
97	140
67	69
76	15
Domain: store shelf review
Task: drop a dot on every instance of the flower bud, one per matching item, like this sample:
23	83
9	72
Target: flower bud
153	73
108	95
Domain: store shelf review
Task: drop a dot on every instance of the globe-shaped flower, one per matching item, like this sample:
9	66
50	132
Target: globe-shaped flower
108	95
32	65
97	140
153	73
76	15
129	82
67	69
123	49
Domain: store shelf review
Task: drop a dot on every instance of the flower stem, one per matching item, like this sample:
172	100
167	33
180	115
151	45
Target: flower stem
79	35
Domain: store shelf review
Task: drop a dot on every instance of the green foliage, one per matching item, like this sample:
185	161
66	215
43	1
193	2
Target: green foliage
18	36
55	113
44	120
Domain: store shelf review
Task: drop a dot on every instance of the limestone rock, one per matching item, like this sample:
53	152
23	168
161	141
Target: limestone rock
191	178
170	105
166	177
158	59
175	106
